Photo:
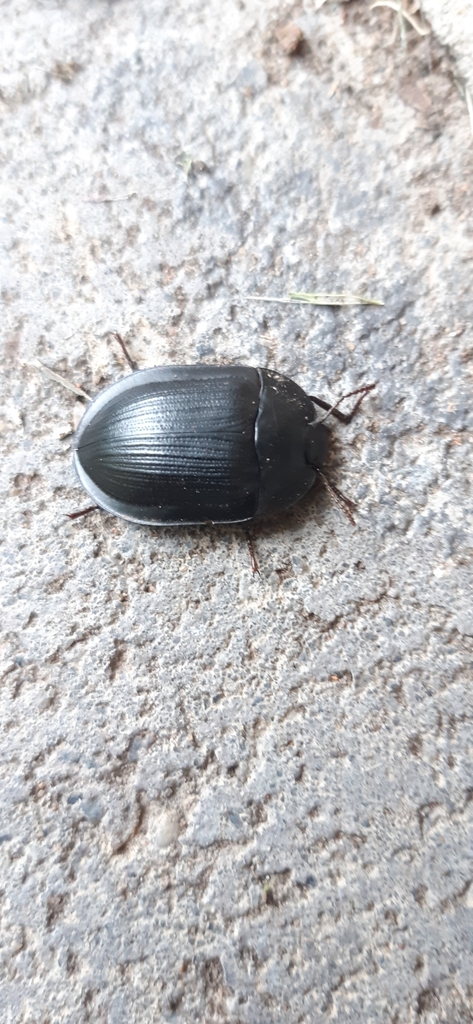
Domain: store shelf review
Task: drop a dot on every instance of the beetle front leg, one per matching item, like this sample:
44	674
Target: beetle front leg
346	504
333	410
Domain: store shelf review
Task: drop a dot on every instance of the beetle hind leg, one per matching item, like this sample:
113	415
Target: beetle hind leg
82	512
130	361
252	552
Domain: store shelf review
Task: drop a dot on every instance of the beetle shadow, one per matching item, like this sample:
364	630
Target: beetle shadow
270	526
312	508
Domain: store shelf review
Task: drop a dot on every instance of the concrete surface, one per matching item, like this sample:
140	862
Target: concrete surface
230	799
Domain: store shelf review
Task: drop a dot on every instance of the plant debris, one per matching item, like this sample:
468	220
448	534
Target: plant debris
321	299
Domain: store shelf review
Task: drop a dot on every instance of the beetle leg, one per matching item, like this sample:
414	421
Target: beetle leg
130	361
251	549
346	504
333	410
82	512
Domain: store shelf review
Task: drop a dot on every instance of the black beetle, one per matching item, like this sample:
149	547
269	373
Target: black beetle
182	445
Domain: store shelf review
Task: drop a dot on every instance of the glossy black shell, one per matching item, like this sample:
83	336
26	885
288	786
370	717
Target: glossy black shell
199	444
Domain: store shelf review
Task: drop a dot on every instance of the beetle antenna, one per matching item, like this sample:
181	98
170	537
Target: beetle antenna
130	361
333	410
346	504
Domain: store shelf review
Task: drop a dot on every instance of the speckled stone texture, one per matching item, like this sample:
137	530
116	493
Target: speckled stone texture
226	798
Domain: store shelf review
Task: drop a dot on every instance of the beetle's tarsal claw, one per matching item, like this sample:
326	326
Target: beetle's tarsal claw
346	504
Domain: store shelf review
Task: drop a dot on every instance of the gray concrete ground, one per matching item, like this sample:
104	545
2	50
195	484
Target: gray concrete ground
230	799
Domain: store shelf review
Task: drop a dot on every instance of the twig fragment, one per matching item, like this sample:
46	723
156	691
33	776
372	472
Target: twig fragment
469	103
109	199
38	365
320	299
340	299
414	22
